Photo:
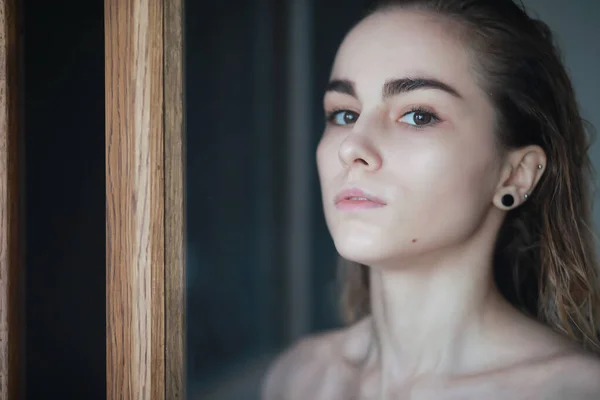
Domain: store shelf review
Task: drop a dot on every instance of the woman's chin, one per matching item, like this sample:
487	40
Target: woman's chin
363	251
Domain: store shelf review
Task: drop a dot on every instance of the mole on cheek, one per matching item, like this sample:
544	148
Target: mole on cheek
414	240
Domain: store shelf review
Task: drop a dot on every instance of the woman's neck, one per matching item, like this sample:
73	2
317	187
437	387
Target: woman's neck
430	316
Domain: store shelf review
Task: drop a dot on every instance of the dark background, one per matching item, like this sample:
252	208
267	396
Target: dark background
64	199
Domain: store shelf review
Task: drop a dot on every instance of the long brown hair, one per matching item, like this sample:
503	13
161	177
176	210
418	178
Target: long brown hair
544	261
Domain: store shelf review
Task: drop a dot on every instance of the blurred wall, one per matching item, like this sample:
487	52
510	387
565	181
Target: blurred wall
576	25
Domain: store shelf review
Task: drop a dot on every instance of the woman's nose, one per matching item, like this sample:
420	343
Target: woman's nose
357	151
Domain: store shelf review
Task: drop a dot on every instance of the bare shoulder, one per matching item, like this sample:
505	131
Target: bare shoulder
576	375
572	374
548	362
318	365
301	360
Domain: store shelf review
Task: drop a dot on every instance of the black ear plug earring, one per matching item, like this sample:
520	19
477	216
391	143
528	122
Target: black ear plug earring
508	200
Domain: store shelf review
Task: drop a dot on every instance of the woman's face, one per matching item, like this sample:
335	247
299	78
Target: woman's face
408	161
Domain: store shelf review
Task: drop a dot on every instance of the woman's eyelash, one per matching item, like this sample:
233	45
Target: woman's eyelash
421	110
434	119
431	117
330	115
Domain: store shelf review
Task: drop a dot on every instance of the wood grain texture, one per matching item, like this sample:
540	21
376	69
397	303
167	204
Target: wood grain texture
10	305
135	199
174	201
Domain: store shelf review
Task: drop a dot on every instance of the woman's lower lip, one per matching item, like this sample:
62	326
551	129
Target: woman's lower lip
355	205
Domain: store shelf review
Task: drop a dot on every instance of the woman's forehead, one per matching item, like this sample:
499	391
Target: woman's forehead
398	44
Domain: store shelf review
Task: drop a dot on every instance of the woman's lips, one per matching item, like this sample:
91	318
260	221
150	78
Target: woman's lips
356	199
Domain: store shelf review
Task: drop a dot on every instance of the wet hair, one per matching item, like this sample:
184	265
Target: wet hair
544	261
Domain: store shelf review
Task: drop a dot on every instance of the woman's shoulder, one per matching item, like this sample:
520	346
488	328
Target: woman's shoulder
300	361
539	359
574	375
310	358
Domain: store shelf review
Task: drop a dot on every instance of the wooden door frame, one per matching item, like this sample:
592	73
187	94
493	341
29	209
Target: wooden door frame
11	273
145	299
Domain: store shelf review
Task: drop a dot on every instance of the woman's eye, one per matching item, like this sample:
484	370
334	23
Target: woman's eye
419	118
342	117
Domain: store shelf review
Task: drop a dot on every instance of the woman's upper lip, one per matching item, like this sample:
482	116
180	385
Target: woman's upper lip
346	194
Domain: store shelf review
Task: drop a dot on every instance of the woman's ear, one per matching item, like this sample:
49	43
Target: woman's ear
522	171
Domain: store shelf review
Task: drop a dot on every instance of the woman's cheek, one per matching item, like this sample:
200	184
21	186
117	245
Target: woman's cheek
423	166
328	153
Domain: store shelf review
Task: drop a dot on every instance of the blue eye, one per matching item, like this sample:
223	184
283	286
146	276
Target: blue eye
342	117
419	118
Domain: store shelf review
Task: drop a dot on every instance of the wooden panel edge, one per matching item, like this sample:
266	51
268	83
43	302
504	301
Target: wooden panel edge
174	202
134	199
10	256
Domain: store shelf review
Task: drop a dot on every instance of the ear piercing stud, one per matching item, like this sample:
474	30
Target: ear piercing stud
508	200
526	196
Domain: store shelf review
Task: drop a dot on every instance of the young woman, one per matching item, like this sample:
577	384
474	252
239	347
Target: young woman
455	176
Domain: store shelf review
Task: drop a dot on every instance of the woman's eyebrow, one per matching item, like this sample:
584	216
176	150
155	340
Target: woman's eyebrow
394	87
341	86
403	85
